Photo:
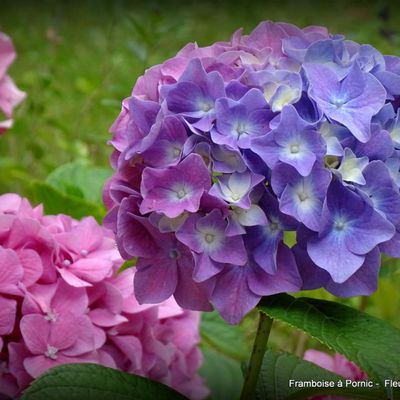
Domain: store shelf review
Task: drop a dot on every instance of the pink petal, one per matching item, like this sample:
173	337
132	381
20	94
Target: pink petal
37	300
10	202
91	269
72	279
36	366
10	96
105	318
35	332
123	282
131	347
17	353
11	272
32	265
69	299
88	337
87	235
7	53
63	331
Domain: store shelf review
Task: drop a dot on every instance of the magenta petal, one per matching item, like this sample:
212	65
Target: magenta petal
8	310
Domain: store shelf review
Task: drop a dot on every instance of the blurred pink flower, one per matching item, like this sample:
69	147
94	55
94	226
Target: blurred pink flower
10	95
337	364
63	301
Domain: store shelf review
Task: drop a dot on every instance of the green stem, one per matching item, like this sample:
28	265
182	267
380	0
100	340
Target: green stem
363	303
257	355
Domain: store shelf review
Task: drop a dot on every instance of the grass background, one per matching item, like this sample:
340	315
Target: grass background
78	60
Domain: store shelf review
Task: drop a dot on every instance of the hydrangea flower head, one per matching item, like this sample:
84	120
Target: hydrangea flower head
222	150
62	300
10	95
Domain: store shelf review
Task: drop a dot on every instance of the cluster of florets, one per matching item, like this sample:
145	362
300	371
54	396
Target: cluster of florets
62	301
220	151
10	95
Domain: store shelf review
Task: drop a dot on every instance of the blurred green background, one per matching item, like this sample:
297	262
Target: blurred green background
78	60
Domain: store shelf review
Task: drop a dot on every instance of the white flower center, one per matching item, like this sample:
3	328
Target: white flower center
209	238
51	352
205	106
84	253
294	148
340	224
51	316
235	196
241	128
181	193
66	263
302	196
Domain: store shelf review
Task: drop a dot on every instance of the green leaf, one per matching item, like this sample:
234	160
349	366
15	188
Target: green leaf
56	202
368	341
225	338
127	264
80	179
223	375
94	382
278	369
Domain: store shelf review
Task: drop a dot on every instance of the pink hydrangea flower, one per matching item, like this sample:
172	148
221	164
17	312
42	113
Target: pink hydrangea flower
63	301
10	95
337	364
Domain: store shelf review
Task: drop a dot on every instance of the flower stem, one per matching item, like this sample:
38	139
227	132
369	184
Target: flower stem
257	355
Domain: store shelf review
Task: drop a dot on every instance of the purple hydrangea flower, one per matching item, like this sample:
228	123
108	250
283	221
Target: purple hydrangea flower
299	196
293	141
279	87
194	95
352	101
238	122
222	151
350	228
235	188
206	237
175	189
